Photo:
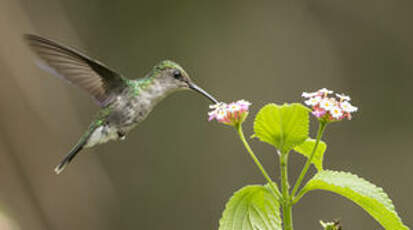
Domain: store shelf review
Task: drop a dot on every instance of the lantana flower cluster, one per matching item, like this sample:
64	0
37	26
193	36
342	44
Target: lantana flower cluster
328	107
229	114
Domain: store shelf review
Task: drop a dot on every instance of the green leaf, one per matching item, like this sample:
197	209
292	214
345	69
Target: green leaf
283	126
251	208
365	194
307	147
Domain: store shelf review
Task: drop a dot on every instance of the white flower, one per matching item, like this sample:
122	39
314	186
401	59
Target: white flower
309	95
243	102
221	114
347	107
313	101
234	107
336	112
325	91
329	108
343	97
229	114
217	105
328	103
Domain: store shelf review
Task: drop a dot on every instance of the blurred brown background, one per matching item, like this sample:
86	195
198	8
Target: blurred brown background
176	170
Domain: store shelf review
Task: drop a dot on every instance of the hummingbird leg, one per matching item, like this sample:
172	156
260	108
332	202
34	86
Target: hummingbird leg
121	134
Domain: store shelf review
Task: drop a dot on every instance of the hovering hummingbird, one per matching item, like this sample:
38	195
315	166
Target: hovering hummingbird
124	102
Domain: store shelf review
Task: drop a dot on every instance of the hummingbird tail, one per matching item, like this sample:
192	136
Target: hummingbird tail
69	157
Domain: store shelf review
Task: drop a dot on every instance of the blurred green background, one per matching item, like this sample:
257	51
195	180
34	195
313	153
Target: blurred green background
176	170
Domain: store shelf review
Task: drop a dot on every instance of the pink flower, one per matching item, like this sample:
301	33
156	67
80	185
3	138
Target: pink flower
244	105
219	112
229	114
319	112
329	108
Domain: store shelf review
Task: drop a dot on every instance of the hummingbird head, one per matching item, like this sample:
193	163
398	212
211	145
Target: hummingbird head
174	77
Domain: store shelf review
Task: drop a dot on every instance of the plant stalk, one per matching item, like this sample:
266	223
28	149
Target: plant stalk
286	202
258	163
321	128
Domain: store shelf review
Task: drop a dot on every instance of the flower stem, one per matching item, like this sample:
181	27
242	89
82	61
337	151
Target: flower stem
258	163
286	202
321	128
298	196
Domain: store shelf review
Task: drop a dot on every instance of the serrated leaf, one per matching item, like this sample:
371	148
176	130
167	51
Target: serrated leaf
283	126
365	194
306	148
251	208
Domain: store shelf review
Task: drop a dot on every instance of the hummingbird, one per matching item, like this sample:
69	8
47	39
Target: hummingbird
123	102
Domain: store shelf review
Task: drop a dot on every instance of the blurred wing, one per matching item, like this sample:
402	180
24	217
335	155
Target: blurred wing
100	81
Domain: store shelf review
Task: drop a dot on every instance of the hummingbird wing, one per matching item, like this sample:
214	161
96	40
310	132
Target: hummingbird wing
91	75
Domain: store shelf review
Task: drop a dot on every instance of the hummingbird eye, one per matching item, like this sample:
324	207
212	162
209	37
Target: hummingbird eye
177	74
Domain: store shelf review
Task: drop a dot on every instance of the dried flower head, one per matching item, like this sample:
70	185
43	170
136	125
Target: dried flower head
229	114
329	108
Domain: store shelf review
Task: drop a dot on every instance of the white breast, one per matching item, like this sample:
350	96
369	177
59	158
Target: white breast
101	135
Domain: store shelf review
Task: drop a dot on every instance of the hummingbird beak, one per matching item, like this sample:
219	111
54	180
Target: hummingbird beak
201	91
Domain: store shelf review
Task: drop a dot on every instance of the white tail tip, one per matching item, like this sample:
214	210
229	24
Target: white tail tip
59	169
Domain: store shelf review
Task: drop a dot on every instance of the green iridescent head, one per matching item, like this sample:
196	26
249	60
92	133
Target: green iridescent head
167	64
174	77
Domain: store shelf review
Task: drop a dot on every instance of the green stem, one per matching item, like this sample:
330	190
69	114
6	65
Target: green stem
321	128
257	162
298	197
286	202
